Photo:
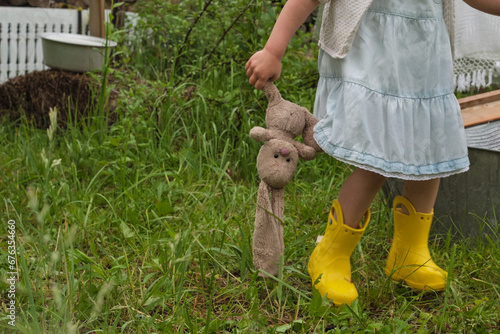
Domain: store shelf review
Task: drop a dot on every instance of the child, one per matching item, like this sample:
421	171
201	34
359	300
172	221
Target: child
386	106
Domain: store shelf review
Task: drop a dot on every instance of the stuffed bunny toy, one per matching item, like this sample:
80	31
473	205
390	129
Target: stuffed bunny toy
276	165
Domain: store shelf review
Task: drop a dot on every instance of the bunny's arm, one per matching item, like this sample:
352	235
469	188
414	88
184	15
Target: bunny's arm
308	132
260	134
306	152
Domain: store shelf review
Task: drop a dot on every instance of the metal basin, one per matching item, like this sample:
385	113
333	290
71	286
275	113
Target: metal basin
72	52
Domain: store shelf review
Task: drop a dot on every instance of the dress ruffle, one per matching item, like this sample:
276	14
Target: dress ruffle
415	146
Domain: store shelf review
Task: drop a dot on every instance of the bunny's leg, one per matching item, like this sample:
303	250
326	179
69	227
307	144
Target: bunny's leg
278	205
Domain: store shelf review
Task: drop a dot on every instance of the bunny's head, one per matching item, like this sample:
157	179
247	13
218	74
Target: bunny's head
277	163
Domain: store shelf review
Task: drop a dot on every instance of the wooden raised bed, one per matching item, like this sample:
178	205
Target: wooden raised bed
468	204
481	108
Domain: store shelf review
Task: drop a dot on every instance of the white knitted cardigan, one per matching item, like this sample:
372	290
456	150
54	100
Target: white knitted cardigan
341	19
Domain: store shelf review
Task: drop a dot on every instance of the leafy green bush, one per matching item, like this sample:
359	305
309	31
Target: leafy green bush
185	38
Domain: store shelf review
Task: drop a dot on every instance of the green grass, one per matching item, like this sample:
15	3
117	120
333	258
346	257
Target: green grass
145	225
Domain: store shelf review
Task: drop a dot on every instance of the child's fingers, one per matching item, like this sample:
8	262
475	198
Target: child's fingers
260	80
261	68
255	78
260	83
249	72
248	64
252	80
275	77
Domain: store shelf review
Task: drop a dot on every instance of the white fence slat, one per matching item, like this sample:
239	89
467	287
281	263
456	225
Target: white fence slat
4	49
12	41
21	48
38	56
30	47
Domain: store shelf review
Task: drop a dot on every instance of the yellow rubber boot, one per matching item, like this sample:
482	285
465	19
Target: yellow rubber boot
409	258
332	258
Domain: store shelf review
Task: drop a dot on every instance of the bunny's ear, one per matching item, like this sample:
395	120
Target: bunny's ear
268	242
272	93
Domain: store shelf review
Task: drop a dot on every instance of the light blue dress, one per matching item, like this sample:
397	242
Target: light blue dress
389	106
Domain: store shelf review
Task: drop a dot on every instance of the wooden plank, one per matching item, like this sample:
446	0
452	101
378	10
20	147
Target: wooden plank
481	113
480	108
97	18
475	100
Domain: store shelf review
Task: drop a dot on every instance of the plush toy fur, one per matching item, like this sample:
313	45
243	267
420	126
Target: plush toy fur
276	165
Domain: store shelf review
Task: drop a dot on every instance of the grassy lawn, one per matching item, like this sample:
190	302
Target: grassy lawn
144	225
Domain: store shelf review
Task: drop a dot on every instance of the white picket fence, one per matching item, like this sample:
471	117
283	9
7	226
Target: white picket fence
20	28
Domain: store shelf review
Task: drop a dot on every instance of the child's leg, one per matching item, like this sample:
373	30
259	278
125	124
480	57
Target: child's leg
409	259
422	194
357	193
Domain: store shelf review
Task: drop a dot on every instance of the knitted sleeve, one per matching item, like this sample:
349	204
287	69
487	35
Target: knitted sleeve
341	19
449	19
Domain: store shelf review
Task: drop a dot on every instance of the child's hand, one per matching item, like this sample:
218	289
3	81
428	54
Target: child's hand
262	67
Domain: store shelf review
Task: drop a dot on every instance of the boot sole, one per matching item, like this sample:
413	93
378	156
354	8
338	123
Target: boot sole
416	285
